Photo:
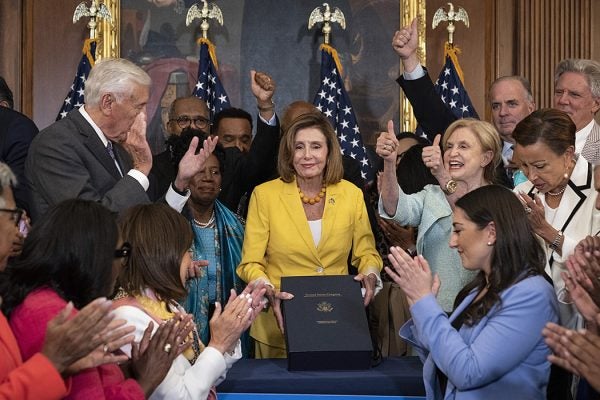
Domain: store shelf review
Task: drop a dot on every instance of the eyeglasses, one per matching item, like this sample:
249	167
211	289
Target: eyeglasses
15	214
184	121
124	251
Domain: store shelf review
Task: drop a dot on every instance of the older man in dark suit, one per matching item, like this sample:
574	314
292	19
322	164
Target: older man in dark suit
99	152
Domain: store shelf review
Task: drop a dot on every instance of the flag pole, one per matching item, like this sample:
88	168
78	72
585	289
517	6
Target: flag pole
332	100
208	85
206	13
451	17
327	16
94	11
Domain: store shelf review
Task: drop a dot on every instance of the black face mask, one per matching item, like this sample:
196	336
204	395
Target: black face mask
179	144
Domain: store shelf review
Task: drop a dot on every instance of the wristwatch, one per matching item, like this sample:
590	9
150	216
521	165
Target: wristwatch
451	186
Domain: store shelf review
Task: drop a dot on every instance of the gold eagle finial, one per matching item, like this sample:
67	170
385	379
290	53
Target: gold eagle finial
327	16
208	11
451	16
94	11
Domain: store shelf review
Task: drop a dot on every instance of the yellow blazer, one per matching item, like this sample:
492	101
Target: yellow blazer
278	241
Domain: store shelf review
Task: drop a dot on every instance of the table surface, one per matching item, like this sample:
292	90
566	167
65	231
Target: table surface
400	376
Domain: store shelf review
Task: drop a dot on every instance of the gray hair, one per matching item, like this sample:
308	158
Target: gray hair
588	68
7	179
116	76
518	78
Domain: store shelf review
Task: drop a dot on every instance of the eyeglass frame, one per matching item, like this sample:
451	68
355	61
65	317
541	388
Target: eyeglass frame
182	124
124	251
16	214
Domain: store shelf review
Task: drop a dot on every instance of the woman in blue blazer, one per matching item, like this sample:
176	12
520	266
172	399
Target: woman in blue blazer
491	346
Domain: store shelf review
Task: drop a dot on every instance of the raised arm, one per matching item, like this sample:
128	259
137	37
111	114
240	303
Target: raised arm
429	109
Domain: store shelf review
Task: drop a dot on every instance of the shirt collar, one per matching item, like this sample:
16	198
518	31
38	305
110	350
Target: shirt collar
93	124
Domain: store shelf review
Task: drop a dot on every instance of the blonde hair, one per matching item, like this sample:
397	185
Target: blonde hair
488	138
334	170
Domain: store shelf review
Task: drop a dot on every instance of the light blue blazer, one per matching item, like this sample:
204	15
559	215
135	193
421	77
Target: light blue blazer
429	211
502	357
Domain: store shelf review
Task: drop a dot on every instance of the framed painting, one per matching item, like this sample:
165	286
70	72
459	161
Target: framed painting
270	36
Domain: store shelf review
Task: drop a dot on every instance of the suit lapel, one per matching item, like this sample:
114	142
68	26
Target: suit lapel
94	144
332	202
293	206
576	193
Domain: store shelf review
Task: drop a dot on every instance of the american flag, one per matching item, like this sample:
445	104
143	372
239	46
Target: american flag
208	86
74	98
333	101
449	86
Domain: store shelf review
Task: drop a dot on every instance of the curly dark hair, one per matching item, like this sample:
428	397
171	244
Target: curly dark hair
70	249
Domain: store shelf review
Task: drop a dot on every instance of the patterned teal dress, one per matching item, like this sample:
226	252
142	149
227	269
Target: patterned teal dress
221	245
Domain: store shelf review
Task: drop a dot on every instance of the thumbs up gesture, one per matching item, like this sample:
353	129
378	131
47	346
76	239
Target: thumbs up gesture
387	144
432	157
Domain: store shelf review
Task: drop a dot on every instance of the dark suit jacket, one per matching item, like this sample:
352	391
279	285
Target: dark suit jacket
430	111
433	116
68	160
16	133
241	172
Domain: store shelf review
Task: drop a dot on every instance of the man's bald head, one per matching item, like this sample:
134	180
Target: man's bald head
294	110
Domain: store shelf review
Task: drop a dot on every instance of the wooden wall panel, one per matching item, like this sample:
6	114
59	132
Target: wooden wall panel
549	31
11	28
57	47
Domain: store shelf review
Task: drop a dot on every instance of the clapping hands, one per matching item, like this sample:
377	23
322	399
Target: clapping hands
413	275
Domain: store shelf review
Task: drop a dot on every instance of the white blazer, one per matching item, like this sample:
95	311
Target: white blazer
577	217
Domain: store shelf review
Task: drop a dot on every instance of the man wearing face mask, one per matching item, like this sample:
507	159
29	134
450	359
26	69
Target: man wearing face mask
244	166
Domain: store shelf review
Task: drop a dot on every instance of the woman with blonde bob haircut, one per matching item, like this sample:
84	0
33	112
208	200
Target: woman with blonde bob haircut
334	170
471	152
488	138
305	223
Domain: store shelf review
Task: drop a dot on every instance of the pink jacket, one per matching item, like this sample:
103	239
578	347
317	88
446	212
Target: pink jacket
28	322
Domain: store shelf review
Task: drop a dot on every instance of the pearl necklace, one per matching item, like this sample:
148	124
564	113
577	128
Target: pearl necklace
312	200
561	191
206	224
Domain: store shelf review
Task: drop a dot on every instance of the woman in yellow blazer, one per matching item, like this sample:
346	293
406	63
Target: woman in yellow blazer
305	223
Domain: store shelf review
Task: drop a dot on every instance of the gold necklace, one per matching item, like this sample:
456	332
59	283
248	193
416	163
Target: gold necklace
312	200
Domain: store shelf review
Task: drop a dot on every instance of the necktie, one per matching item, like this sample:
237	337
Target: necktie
111	153
591	151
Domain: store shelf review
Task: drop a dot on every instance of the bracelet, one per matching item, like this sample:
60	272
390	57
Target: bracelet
266	108
179	192
556	242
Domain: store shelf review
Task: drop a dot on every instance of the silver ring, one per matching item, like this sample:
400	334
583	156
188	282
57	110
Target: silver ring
239	316
105	348
527	210
167	348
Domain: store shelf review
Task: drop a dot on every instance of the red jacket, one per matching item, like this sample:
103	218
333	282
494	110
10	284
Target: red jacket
35	379
28	322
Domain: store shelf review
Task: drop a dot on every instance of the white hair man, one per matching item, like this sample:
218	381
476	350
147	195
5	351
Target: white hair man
99	152
577	92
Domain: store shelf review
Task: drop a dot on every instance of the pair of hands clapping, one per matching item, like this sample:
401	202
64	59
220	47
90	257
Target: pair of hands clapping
413	275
